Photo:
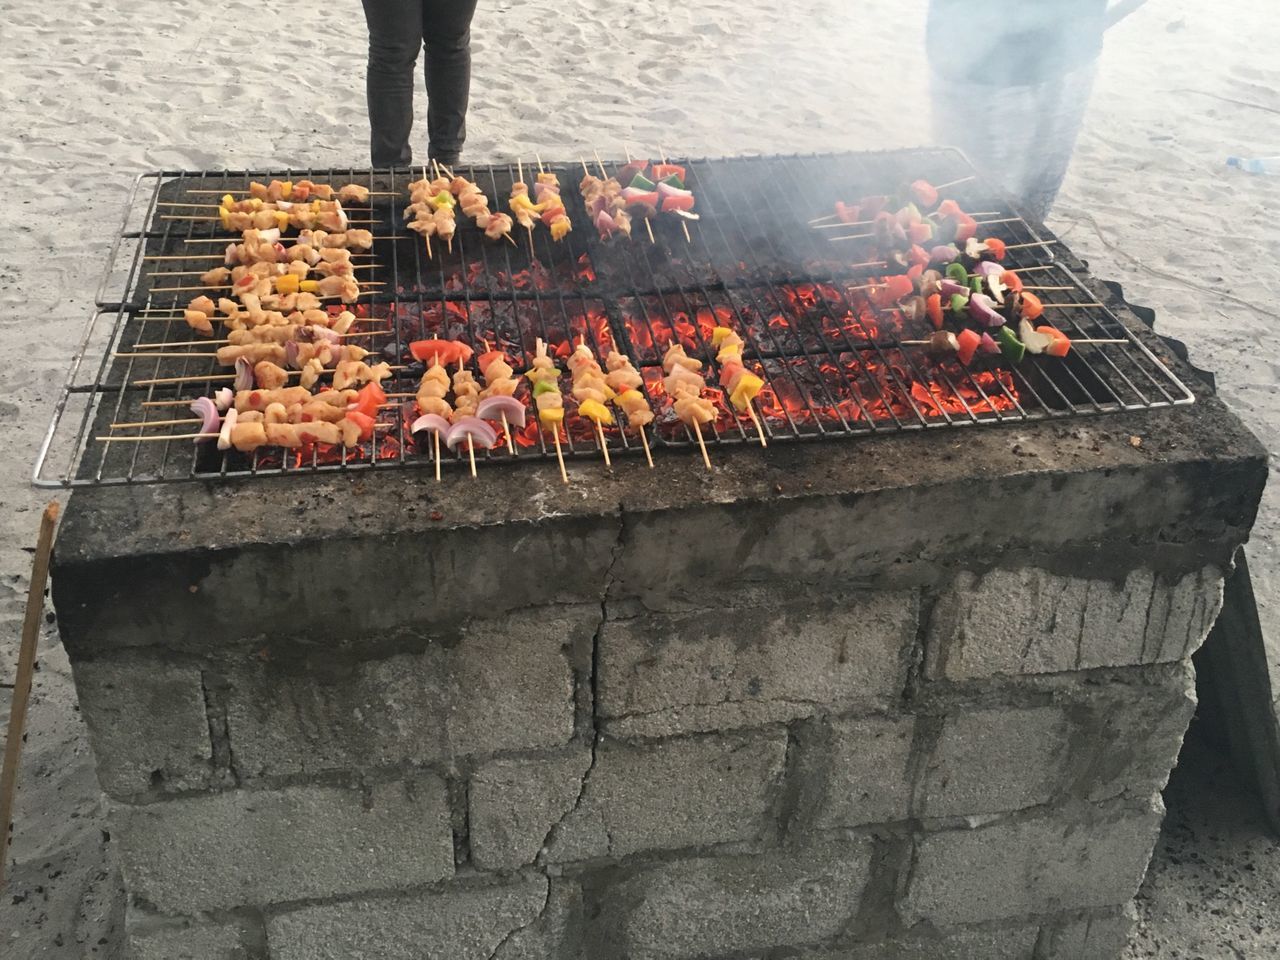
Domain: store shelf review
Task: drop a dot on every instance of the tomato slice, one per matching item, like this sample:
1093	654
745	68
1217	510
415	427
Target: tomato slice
363	421
449	351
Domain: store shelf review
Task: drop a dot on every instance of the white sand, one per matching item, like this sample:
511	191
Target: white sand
93	93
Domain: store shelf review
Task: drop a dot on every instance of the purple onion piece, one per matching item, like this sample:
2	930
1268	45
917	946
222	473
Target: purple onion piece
319	333
943	254
950	288
244	375
988	344
291	355
667	190
223	397
431	423
224	435
988	268
982	309
492	408
210	416
482	435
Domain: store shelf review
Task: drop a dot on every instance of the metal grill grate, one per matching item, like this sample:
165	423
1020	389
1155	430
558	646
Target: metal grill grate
831	359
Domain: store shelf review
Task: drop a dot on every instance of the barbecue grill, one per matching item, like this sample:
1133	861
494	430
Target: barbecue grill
833	361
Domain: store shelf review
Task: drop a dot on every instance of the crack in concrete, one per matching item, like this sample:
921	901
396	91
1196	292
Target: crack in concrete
537	918
596	736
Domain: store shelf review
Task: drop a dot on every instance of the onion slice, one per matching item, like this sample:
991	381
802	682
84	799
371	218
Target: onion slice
224	436
989	268
950	288
982	309
943	254
244	375
1033	341
223	397
291	355
492	408
988	344
482	435
431	423
208	412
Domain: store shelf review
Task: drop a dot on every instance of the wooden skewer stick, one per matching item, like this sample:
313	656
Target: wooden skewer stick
201	273
202	378
156	437
180	216
436	435
867	223
1043	266
644	437
213	256
1036	243
1069	306
564	474
604	446
952	183
227	286
1048	288
683	226
649	229
702	445
22	678
155	423
210	343
225	240
471	454
759	426
219	193
506	430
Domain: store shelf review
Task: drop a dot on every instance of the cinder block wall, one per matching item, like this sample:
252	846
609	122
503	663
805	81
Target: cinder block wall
820	731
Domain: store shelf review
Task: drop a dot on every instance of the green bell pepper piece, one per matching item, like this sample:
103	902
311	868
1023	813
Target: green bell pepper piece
960	304
1012	348
975	284
673	181
958	272
545	386
641	182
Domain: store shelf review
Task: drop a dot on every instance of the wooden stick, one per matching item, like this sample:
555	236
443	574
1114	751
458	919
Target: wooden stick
201	273
1036	243
564	474
210	343
1050	288
1069	306
604	445
227	286
155	437
179	216
225	240
471	454
214	256
853	236
644	437
211	377
697	428
22	679
506	429
219	193
650	231
436	434
759	426
952	183
155	423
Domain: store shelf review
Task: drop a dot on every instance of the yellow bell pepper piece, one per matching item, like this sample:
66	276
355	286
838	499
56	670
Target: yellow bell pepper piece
748	386
228	201
288	283
286	190
596	411
255	204
718	335
309	286
628	396
442	199
559	228
225	216
551	417
282	220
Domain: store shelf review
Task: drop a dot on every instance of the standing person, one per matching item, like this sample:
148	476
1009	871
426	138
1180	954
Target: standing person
397	30
1010	81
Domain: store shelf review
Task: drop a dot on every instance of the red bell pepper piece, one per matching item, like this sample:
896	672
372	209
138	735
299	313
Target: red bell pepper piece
934	305
949	208
364	421
871	206
1011	280
915	271
1031	305
918	256
449	351
920	233
551	213
967	345
642	199
996	246
924	194
846	213
677	202
661	170
485	359
893	290
628	173
966	227
1061	345
370	397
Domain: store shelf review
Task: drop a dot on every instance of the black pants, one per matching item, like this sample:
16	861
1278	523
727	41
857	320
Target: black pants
397	30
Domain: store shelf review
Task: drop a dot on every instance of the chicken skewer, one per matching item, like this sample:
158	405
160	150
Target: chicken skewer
522	208
547	398
432	390
604	203
499	382
475	205
684	384
592	392
547	191
303	190
625	381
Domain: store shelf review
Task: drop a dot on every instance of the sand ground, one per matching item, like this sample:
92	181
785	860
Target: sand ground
93	93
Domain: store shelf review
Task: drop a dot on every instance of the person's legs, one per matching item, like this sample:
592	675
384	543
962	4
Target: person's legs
446	36
395	29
